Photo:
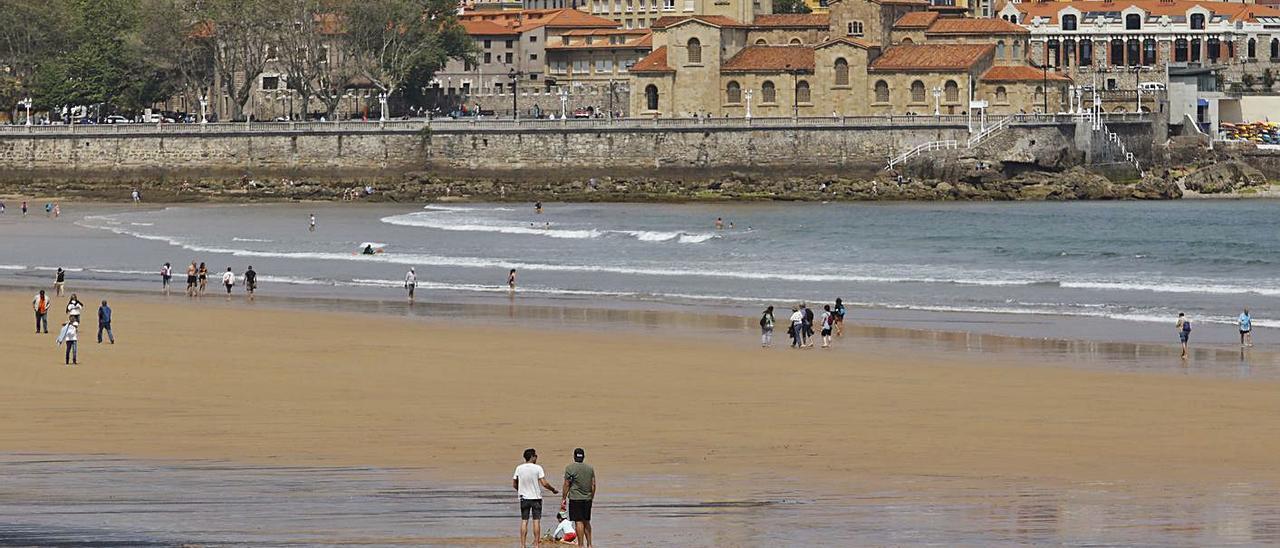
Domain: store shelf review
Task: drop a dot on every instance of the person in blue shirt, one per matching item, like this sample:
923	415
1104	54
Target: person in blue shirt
1246	328
104	322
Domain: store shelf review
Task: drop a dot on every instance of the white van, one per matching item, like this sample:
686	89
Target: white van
1151	86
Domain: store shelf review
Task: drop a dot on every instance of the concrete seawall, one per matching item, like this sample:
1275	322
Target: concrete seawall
851	147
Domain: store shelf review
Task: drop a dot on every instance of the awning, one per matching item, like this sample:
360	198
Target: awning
1202	102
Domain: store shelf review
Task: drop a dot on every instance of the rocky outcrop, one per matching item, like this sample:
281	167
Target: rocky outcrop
1223	177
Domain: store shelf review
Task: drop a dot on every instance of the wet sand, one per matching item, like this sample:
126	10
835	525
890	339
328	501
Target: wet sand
701	418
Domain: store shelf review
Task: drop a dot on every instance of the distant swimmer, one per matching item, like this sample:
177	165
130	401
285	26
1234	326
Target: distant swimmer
511	279
730	225
1246	328
368	250
719	223
410	282
312	221
1183	327
537	208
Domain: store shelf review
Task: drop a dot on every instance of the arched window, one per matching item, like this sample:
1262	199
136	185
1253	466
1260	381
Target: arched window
1149	51
1069	22
651	97
882	91
1195	49
1013	19
802	92
1253	48
733	93
1002	95
952	91
1275	49
917	92
1180	50
1197	21
1038	99
1068	51
761	42
768	93
1120	109
907	41
695	51
1086	53
1017	50
842	72
1133	51
795	41
1117	52
1215	49
1000	49
1133	21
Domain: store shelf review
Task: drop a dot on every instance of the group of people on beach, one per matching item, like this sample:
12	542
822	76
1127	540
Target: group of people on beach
51	209
69	334
576	496
800	325
1244	322
198	279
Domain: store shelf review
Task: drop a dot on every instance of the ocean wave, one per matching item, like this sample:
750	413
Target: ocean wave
427	220
12	267
237	239
1204	288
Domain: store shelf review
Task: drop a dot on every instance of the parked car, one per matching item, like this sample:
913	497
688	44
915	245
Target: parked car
115	119
582	113
1151	86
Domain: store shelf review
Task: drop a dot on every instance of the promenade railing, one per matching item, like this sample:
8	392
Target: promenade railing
499	124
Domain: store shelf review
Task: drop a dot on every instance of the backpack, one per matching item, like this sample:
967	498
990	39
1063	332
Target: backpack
764	320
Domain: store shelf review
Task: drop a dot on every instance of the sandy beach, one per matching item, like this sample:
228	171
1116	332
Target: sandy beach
251	383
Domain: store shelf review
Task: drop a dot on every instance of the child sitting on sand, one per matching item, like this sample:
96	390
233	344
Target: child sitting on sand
564	532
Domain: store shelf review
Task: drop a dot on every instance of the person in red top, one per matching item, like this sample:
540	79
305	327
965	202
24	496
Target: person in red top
41	305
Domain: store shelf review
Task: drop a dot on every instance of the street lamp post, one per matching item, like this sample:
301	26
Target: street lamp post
1137	90
748	116
564	103
27	104
382	106
513	74
937	101
204	103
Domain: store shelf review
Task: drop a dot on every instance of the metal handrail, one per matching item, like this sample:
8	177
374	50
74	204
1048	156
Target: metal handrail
922	148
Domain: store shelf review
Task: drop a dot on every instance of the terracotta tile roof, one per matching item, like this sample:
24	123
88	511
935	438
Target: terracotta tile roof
915	20
655	62
564	18
1021	73
793	20
1172	8
713	20
770	59
969	26
932	57
487	28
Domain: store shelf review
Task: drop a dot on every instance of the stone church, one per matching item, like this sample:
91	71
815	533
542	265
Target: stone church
864	57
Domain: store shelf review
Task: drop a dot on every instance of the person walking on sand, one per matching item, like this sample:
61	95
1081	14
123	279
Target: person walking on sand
828	321
511	280
250	282
410	283
1246	328
59	281
839	311
166	278
191	279
40	305
57	211
807	325
104	322
312	223
137	197
580	491
24	208
766	328
202	279
228	280
74	309
797	325
70	336
1184	331
529	481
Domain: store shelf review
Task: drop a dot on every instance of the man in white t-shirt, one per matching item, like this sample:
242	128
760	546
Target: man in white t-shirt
529	481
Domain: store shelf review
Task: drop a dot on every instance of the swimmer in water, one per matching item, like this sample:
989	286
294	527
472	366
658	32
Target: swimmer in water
719	223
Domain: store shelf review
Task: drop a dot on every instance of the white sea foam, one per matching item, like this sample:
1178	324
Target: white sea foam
1206	287
12	267
237	239
432	219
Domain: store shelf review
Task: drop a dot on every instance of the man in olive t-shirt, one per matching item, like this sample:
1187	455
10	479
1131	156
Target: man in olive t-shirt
580	490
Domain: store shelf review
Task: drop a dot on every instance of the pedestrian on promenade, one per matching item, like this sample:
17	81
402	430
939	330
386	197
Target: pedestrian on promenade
104	322
166	277
529	481
840	312
250	282
70	336
580	491
1183	328
40	305
59	281
228	280
766	328
202	279
1246	328
828	322
74	308
410	282
797	325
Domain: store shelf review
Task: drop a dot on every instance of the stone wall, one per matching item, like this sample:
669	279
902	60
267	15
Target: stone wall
546	148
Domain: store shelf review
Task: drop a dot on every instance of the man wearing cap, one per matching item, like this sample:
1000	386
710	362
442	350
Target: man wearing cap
529	481
580	490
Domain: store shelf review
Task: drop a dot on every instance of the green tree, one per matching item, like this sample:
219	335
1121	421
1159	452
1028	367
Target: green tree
402	43
790	6
31	35
178	48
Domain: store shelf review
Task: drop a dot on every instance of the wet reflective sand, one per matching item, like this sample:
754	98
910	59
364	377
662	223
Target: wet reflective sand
87	500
